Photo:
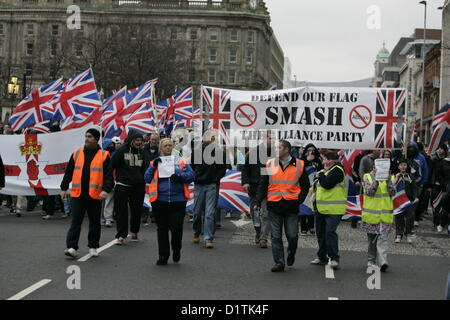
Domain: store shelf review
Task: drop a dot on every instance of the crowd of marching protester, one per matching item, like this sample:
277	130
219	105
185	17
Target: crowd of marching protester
301	190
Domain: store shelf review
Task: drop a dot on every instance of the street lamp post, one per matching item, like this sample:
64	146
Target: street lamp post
423	68
13	90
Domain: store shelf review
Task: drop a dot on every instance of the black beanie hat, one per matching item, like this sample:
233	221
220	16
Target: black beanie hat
95	133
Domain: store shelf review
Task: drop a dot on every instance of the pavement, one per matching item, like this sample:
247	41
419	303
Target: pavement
32	251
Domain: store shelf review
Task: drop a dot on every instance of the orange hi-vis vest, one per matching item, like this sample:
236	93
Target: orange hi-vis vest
284	184
153	187
96	174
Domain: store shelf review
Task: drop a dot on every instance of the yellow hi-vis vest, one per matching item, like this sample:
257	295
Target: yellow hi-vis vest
380	207
332	201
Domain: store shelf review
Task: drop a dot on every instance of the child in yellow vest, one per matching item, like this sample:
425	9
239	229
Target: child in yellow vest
377	217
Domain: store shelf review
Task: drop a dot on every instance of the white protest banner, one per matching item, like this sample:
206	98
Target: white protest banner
166	167
35	163
383	166
334	118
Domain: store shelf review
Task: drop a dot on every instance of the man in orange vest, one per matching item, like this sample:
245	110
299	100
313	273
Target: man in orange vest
89	170
286	186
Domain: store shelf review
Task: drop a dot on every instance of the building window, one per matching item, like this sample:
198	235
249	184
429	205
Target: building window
55	30
53	49
232	77
214	35
79	50
29	49
192	75
233	56
249	57
133	33
212	55
193	54
233	36
250	36
28	69
30	29
248	77
194	34
211	76
173	34
1	29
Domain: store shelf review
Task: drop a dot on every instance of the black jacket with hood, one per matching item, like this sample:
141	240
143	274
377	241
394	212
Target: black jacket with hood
129	163
317	162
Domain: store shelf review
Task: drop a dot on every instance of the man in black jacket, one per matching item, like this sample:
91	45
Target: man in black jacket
82	200
130	165
151	152
255	161
278	185
209	169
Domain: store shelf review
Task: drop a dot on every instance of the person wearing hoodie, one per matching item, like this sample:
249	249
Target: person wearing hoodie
2	175
129	165
168	197
419	172
209	169
436	187
312	158
443	178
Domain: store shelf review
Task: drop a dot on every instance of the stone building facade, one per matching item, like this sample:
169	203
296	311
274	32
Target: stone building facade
227	43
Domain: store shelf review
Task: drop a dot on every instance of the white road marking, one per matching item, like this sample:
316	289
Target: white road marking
241	222
332	298
106	246
329	272
29	290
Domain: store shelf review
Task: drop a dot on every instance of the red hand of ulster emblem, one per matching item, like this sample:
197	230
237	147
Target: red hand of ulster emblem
33	170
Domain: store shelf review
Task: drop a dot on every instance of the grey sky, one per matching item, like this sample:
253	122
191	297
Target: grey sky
328	40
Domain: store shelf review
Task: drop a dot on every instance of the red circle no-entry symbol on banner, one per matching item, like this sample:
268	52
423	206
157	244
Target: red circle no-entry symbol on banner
360	117
245	115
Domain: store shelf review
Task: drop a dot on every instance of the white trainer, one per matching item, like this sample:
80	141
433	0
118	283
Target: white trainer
439	229
398	239
71	252
93	252
409	239
334	265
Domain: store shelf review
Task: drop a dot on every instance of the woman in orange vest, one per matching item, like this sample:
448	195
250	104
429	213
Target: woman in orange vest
89	170
168	196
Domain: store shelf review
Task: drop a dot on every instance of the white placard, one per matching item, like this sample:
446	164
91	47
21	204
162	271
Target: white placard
166	167
383	166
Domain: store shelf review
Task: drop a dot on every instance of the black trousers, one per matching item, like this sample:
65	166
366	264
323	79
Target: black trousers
306	223
134	197
169	217
79	207
422	207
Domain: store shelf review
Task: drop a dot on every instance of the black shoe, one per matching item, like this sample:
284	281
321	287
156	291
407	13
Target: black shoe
312	231
290	260
277	268
384	267
176	256
354	223
161	261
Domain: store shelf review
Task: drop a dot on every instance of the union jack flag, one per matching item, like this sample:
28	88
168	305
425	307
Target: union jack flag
43	127
161	113
217	102
347	159
113	106
131	102
441	128
81	120
182	104
79	95
401	200
354	200
231	195
389	119
142	120
36	108
191	122
305	209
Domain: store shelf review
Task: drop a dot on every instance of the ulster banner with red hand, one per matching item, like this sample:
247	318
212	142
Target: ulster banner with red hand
334	118
35	163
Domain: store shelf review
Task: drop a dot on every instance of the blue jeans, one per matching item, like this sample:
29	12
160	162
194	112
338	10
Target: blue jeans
326	225
290	222
205	201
